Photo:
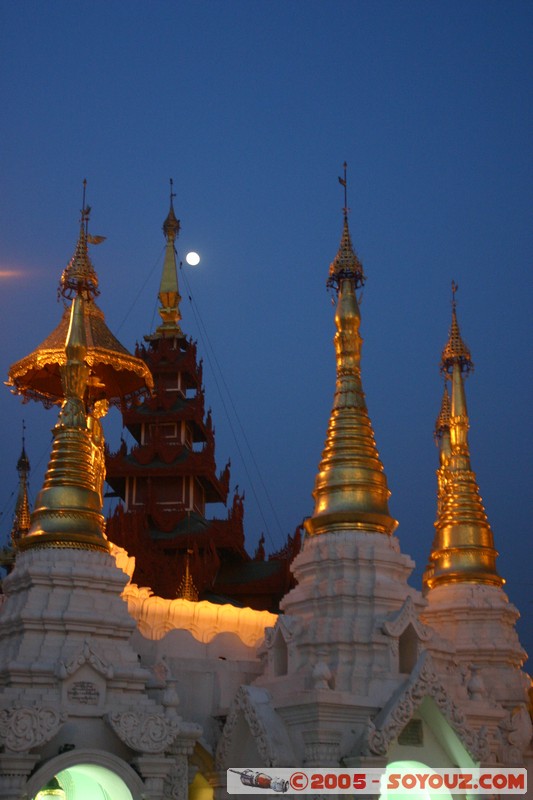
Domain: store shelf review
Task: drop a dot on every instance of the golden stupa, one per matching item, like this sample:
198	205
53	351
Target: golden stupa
463	548
351	491
84	367
115	375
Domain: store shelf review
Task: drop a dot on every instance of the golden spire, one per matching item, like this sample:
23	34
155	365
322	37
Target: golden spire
68	509
463	549
351	490
187	590
169	296
21	518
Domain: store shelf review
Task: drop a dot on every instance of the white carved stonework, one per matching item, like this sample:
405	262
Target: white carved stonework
480	622
154	733
265	728
22	729
144	732
423	682
514	735
176	783
397	622
287	627
322	747
86	655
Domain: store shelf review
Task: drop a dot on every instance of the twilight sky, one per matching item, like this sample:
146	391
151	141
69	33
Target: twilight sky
252	106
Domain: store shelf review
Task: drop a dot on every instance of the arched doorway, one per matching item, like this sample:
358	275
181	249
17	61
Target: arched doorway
85	775
85	782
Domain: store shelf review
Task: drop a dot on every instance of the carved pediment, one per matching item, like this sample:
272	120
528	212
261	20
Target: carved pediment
266	728
392	719
287	627
397	622
85	655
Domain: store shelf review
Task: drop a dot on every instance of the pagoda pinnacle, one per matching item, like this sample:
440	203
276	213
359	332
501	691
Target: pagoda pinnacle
169	296
68	509
79	276
463	548
351	490
21	518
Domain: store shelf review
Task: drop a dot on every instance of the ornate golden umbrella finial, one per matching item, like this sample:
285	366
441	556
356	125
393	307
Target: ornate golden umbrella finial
351	490
346	264
455	350
116	375
79	276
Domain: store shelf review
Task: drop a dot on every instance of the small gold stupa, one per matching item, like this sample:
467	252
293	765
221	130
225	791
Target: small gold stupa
351	491
463	548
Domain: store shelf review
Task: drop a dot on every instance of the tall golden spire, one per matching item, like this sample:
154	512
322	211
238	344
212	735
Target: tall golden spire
351	490
463	549
85	367
21	518
169	296
68	509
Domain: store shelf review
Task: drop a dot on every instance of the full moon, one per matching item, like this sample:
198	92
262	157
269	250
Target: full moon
192	258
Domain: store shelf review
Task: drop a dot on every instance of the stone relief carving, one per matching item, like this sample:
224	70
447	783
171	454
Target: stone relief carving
22	729
288	627
422	683
86	655
397	622
513	736
143	732
243	704
176	782
150	732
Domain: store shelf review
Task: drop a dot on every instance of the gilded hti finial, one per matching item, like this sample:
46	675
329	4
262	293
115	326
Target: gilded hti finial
79	276
463	548
169	296
116	375
346	263
21	517
351	490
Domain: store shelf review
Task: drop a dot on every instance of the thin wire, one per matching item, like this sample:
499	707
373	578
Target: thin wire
141	290
209	347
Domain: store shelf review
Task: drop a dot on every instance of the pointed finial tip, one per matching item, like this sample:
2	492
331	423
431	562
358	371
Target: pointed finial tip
456	351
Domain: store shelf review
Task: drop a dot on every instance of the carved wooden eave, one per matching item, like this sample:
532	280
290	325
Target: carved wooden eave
266	729
423	682
397	622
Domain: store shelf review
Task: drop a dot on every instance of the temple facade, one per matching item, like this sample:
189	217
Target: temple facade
109	690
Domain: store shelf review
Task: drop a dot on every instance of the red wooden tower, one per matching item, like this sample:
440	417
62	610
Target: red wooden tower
168	479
